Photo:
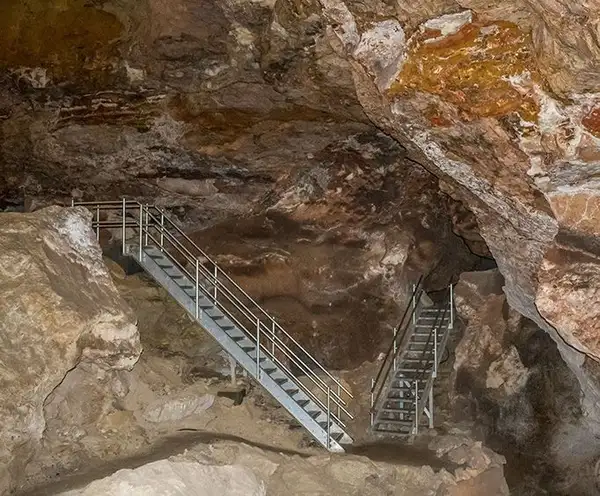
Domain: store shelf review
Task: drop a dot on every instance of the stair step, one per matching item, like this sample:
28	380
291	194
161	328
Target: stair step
314	413
402	411
407	423
406	431
334	435
303	403
337	436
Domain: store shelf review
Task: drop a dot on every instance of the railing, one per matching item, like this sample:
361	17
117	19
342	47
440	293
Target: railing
426	371
401	334
152	226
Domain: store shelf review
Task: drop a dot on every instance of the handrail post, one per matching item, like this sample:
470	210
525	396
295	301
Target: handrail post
416	427
162	228
147	227
435	352
97	222
414	304
197	283
273	338
451	323
372	399
395	333
215	284
141	230
328	418
124	228
339	398
258	349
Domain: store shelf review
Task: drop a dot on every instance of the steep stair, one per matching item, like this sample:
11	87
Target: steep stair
268	353
402	392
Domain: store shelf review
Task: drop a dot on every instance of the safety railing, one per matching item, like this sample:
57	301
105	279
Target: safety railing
148	225
401	335
426	370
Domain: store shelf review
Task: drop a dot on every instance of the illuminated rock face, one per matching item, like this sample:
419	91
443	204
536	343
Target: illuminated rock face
61	314
515	141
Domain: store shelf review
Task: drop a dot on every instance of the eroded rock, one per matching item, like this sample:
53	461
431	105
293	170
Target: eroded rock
229	467
60	311
164	478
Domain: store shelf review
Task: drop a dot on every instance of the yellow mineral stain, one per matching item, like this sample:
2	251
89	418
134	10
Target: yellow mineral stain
469	69
69	38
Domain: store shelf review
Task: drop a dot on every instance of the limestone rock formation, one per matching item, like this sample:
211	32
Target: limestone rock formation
166	478
61	311
317	108
510	380
233	468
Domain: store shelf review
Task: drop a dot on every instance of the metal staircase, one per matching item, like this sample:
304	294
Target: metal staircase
315	398
403	389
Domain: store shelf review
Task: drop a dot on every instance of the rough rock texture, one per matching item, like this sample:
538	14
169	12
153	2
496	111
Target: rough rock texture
61	314
222	108
232	468
500	103
171	478
510	380
219	107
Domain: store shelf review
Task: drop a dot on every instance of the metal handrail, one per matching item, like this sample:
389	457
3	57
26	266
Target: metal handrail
422	374
152	222
248	314
396	345
262	310
238	305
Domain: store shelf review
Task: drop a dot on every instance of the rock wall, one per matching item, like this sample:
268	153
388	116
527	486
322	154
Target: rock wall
61	312
510	380
498	104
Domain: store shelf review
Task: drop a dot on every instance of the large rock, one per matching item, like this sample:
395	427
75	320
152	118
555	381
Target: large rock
177	478
239	106
229	468
59	309
511	381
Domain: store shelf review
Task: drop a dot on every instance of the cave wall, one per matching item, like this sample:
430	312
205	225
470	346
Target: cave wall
509	379
62	317
474	97
220	107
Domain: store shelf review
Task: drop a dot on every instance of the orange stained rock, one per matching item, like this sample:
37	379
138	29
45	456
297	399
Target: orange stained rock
470	69
592	121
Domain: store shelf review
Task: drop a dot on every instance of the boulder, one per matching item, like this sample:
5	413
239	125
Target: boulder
177	478
59	309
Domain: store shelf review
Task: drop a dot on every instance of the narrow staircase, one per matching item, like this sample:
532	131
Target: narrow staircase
269	354
402	392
